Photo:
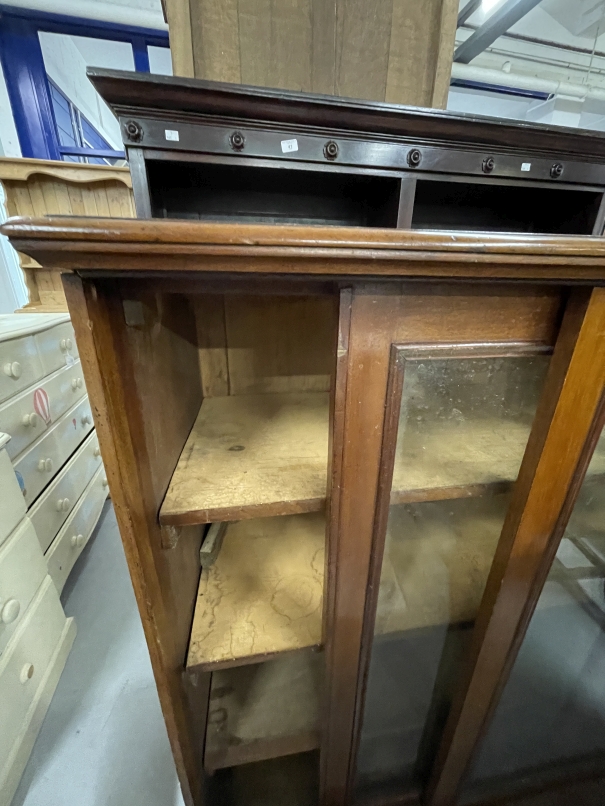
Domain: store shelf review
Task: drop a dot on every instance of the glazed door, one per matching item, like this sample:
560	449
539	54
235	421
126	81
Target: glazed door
463	419
548	728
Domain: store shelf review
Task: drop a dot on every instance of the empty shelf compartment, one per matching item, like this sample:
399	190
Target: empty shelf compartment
264	710
263	595
251	456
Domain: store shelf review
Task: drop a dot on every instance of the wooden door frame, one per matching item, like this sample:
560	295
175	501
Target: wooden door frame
381	314
400	356
568	423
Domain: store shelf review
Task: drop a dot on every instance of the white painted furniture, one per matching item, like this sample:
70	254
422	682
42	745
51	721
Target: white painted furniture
52	490
35	635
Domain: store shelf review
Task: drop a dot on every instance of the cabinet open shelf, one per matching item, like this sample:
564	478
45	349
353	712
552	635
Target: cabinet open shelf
264	711
255	456
263	595
251	456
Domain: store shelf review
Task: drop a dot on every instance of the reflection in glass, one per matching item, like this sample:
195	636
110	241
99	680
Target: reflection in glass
550	721
463	428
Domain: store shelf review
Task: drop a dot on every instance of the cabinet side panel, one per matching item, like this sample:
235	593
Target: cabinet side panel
144	391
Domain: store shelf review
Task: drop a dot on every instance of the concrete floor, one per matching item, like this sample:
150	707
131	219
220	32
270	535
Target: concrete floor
103	742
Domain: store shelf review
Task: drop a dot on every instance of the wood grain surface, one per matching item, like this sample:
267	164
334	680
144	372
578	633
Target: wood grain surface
340	47
141	245
141	434
263	595
250	456
139	90
265	710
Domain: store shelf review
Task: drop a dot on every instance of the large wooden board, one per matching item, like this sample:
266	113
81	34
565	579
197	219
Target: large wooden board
264	710
263	596
251	456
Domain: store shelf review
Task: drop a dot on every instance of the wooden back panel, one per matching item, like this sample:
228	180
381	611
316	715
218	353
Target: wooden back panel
251	344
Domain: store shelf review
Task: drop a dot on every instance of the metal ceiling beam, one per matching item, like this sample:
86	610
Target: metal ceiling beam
496	24
468	11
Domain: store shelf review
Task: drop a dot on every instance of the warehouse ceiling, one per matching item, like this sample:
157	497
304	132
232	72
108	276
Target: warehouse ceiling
550	54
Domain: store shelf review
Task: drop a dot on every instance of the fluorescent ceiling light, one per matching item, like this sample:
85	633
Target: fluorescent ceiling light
487	5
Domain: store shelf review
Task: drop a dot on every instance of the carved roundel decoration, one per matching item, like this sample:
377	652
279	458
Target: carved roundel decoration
237	141
331	150
134	131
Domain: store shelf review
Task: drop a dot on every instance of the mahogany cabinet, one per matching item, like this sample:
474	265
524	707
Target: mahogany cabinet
358	472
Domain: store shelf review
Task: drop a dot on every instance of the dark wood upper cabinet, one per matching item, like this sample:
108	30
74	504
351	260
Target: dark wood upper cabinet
202	150
364	373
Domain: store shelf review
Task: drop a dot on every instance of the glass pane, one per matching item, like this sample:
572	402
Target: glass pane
65	124
66	59
550	721
160	61
462	431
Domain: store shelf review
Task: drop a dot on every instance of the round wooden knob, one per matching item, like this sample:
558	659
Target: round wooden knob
30	419
45	465
66	345
12	369
414	157
10	611
77	541
331	150
237	141
86	419
557	170
27	672
63	504
488	165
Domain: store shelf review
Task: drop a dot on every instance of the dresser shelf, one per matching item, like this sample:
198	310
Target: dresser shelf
263	595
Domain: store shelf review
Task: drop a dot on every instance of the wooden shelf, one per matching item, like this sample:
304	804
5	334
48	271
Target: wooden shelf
251	456
440	460
263	595
436	562
264	711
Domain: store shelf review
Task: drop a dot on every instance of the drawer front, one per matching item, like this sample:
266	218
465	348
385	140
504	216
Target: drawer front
26	658
27	416
74	535
12	504
54	506
40	463
57	347
20	366
22	570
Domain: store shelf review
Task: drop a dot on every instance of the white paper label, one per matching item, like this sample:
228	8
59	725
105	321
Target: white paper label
289	145
526	166
171	135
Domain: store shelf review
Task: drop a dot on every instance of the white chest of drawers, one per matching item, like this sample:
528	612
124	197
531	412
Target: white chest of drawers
52	490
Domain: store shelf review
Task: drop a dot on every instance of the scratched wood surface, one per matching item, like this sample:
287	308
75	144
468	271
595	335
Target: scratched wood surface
264	710
263	595
252	456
